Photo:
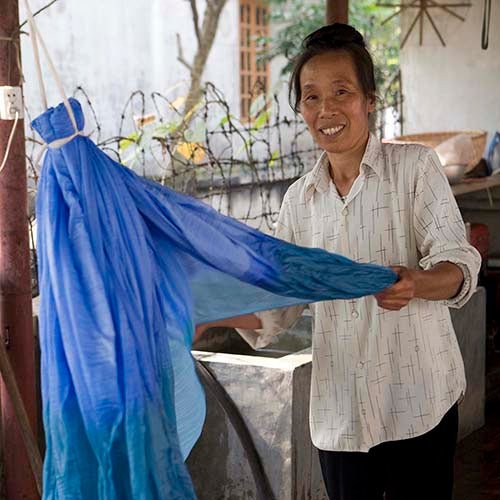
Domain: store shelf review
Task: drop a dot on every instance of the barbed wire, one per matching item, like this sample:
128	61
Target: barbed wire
242	168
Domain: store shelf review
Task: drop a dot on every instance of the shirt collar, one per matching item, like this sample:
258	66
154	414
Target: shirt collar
373	155
318	179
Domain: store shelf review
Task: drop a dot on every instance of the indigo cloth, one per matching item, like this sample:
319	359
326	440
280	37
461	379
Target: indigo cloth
127	269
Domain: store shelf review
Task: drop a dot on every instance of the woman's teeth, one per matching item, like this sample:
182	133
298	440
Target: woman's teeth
332	130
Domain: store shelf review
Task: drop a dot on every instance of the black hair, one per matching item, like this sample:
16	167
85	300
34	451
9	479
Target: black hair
333	37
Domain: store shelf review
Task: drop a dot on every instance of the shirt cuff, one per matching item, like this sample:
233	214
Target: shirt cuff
468	259
465	291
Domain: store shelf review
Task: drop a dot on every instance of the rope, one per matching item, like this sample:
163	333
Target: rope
38	66
37	38
58	143
9	142
485	33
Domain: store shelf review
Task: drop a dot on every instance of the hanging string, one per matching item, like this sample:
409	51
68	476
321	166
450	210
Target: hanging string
9	142
58	143
37	38
38	66
14	42
17	48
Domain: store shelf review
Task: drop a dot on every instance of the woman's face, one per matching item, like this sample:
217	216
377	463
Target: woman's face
333	104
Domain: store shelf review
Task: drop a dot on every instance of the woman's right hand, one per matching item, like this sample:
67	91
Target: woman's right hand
199	331
246	321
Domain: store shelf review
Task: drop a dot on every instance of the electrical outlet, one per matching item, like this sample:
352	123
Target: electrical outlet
11	100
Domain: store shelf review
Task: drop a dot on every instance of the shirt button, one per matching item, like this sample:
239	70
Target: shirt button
355	314
360	364
345	211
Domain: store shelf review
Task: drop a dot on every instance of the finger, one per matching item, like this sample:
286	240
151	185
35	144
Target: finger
397	269
389	307
392	307
400	302
394	303
403	282
403	293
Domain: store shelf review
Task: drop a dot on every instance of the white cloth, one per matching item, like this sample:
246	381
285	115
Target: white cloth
458	150
379	375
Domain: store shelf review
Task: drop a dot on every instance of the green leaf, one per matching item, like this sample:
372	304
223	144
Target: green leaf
246	144
225	119
274	155
257	105
125	143
261	120
165	129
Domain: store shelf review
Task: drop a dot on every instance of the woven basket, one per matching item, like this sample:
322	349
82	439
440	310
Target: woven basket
433	139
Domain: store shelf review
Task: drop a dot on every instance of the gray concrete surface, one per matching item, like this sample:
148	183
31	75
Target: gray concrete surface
271	389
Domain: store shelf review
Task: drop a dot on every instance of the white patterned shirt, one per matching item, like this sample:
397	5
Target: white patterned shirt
378	375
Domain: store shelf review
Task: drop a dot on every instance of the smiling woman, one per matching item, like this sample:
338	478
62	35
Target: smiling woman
335	107
387	370
333	87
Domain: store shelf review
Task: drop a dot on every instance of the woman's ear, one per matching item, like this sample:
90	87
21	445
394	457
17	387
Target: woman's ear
372	101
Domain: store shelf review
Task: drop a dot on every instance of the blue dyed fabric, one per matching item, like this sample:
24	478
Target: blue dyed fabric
127	268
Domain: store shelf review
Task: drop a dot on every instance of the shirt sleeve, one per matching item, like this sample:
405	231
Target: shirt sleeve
440	230
275	321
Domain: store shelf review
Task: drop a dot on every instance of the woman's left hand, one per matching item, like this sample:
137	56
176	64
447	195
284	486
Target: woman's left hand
398	295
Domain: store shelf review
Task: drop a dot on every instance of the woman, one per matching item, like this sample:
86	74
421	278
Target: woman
387	370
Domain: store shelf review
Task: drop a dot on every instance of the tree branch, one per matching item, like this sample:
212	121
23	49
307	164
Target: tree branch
194	10
180	54
39	11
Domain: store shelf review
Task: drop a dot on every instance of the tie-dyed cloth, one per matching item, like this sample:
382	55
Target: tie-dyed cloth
127	268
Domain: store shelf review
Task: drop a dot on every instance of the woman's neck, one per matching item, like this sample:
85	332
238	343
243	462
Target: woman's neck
344	167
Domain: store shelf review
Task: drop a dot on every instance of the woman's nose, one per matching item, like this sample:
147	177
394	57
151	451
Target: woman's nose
328	106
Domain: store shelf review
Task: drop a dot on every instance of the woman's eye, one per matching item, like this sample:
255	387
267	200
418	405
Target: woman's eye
341	92
310	98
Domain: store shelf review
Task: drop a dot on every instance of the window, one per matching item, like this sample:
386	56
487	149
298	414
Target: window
254	73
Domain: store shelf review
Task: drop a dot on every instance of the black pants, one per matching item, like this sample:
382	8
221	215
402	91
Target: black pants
419	468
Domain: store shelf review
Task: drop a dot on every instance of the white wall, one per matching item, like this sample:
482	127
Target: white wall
114	47
457	86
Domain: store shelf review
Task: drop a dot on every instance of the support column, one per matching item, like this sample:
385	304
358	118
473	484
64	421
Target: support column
337	11
15	277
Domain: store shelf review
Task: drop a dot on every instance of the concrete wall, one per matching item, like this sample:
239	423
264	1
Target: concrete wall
272	396
457	86
470	326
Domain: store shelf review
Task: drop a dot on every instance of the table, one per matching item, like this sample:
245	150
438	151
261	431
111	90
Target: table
475	184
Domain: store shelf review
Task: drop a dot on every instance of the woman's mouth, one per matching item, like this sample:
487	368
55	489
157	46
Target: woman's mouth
332	131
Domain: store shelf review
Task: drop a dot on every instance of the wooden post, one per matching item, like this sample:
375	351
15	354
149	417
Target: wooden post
15	277
337	11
